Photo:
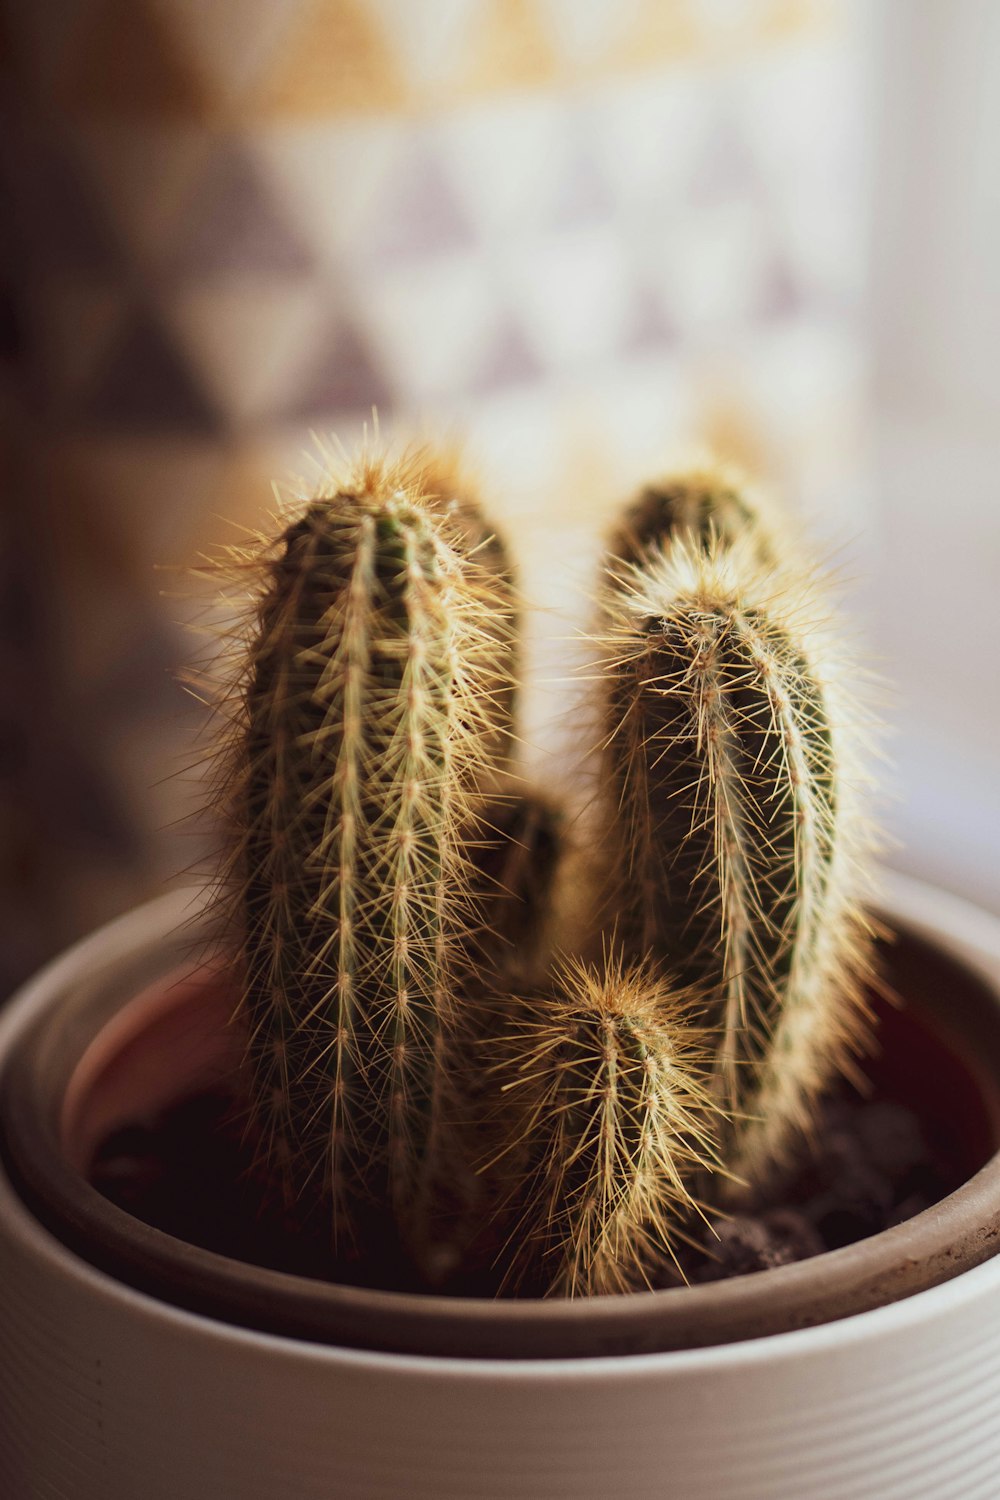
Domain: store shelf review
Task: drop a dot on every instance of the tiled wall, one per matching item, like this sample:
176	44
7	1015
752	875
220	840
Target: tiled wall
575	232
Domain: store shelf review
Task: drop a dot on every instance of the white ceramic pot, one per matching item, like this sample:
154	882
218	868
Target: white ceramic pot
109	1393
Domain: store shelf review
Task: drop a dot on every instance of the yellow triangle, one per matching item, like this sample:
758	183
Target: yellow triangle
789	18
336	61
232	41
242	499
587	464
243	337
141	170
728	427
659	31
510	49
127	61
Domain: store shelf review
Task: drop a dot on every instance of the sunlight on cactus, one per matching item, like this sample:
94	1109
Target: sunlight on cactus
375	687
429	1052
731	748
609	1080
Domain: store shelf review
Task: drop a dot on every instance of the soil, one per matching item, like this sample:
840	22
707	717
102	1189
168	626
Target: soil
871	1165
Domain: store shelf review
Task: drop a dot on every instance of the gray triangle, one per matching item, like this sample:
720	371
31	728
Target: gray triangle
145	384
57	219
343	376
510	360
583	195
420	214
230	221
648	330
781	295
724	167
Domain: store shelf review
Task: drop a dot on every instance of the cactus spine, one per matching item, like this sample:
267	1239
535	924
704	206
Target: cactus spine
396	893
372	700
515	864
516	857
609	1078
695	507
729	746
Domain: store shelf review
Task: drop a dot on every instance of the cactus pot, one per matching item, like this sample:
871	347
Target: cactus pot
135	1364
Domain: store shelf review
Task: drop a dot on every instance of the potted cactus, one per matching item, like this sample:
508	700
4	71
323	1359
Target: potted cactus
491	1093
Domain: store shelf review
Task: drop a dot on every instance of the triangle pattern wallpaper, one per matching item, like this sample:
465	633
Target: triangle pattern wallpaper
235	225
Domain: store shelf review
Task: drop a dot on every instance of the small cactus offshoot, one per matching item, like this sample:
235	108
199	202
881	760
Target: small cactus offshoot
607	1080
429	1052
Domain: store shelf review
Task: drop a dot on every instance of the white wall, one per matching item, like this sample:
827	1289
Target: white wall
934	319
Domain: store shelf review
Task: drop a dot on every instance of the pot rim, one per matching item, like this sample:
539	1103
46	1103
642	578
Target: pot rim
926	1250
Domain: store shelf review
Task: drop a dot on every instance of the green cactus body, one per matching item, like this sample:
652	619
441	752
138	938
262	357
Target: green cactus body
370	706
515	860
515	856
610	1081
729	749
696	508
396	892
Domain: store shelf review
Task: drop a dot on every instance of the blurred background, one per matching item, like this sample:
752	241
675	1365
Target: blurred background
580	235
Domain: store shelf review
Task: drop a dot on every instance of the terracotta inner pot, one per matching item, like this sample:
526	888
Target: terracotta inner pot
173	1040
940	1054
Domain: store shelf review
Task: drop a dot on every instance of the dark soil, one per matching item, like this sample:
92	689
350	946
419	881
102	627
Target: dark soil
872	1166
869	1168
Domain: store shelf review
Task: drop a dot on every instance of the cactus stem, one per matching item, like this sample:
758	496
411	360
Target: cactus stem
373	696
731	742
610	1079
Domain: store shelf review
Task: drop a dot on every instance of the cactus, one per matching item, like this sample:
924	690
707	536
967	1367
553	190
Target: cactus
608	1078
515	860
515	854
375	693
730	749
416	1065
697	506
